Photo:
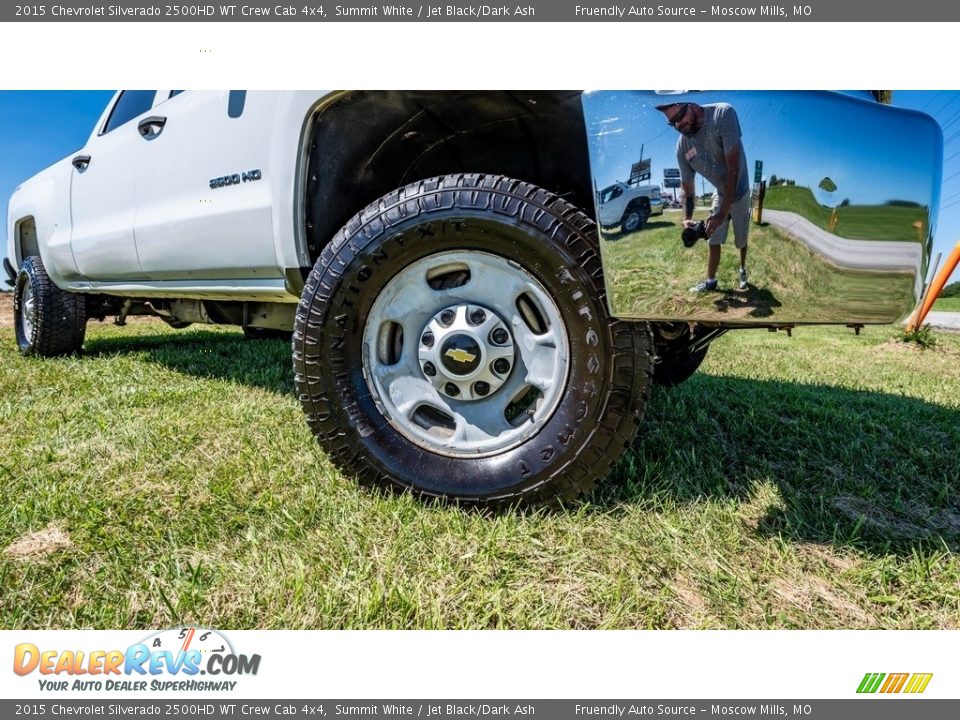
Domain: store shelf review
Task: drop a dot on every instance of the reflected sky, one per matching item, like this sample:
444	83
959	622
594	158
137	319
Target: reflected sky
871	154
853	229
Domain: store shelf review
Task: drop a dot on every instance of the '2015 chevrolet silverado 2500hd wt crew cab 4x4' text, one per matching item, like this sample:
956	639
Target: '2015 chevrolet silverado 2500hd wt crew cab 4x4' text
461	325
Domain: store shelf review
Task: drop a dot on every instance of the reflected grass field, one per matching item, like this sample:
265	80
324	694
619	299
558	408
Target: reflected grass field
651	274
168	476
864	222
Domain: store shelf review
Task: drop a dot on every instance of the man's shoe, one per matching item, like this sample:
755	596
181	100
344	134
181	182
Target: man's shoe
743	279
705	286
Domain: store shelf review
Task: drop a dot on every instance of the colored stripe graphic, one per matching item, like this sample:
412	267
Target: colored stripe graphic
894	682
870	682
918	682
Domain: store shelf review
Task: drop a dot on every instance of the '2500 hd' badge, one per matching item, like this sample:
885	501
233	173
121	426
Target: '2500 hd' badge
235	179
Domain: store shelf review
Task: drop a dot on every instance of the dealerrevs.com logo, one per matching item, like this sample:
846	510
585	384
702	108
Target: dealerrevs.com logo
910	683
168	660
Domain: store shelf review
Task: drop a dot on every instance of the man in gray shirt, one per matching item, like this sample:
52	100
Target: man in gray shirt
710	144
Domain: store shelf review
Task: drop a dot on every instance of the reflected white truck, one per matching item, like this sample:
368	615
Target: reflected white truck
628	206
432	254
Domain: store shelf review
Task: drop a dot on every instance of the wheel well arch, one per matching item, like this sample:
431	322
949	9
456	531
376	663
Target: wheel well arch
641	202
364	144
26	241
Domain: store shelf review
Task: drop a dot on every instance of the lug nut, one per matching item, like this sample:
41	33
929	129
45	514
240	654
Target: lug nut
481	388
501	366
429	370
500	336
451	389
427	339
447	317
477	316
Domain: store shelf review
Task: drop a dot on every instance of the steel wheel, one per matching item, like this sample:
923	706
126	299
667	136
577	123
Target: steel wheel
28	310
466	353
453	340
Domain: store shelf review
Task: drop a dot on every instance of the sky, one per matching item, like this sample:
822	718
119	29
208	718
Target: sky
40	127
803	138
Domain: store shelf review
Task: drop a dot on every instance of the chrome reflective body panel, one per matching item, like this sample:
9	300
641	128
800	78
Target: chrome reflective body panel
845	224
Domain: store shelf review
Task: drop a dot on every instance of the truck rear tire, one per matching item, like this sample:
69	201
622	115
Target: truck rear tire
48	321
676	368
675	362
453	340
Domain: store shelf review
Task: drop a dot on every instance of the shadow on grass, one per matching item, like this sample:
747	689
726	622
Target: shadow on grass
875	471
864	469
760	301
264	364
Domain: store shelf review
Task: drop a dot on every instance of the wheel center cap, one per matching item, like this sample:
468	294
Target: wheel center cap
460	354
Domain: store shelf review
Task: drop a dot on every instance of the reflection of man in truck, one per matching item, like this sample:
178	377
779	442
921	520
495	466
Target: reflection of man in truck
710	144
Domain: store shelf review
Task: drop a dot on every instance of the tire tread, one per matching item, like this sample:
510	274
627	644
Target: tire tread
61	316
630	369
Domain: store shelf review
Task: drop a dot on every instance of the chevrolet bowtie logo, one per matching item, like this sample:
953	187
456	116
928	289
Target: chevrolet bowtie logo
460	355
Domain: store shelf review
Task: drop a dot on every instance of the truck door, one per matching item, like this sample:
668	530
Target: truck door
102	194
203	201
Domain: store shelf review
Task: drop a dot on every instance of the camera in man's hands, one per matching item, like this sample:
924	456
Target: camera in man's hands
694	232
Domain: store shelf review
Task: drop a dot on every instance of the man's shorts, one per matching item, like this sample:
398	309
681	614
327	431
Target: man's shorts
740	215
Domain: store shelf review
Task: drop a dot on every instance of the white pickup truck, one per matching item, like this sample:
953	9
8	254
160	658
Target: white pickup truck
435	256
629	206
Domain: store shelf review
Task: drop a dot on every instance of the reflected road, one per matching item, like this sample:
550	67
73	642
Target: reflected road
859	254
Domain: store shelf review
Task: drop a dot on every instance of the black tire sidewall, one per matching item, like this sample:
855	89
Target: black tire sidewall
60	319
352	290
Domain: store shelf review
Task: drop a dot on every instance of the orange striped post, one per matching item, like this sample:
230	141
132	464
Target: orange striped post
935	287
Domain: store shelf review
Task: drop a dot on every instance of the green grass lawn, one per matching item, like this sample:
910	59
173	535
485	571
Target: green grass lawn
947	304
809	482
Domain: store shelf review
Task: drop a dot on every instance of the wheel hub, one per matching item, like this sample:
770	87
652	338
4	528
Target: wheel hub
466	351
461	355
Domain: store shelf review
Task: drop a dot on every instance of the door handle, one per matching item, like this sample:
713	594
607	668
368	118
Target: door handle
152	126
80	162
